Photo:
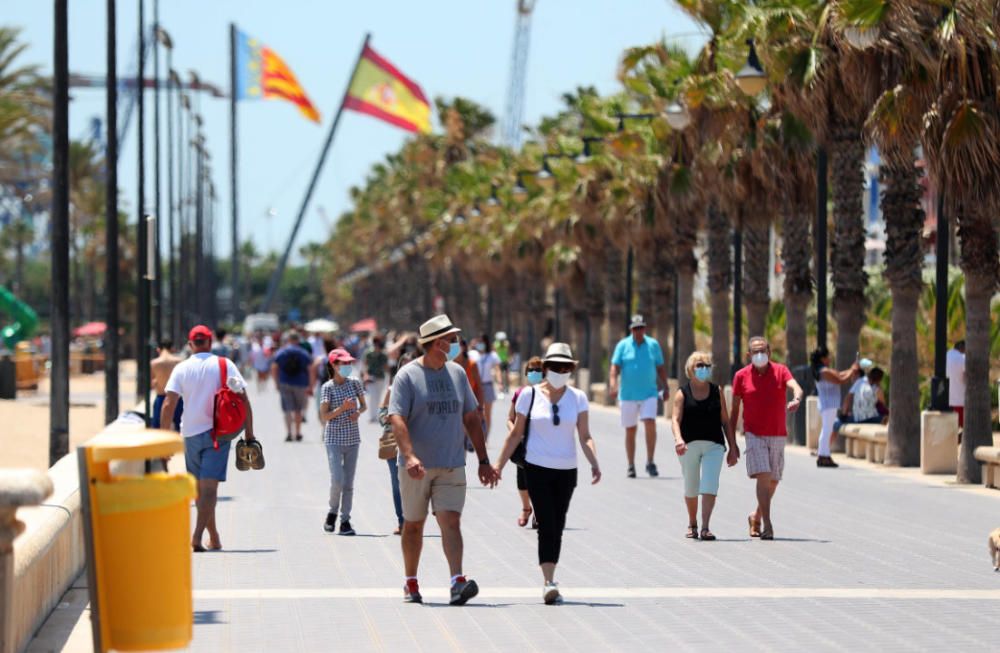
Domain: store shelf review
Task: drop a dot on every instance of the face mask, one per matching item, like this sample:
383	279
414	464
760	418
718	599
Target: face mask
703	373
534	377
454	349
346	370
759	360
557	380
480	347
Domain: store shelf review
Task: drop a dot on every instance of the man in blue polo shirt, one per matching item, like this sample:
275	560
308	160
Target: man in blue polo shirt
295	376
638	364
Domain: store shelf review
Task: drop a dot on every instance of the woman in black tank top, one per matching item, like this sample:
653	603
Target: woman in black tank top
701	430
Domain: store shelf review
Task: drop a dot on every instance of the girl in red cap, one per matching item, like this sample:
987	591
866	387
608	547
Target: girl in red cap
342	402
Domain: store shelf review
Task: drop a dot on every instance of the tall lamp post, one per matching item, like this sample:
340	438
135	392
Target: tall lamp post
142	321
939	383
752	81
59	386
111	345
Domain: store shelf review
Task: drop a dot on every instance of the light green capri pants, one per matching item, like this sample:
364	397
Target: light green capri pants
701	464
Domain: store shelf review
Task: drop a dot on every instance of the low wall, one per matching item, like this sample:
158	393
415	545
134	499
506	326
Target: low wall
47	556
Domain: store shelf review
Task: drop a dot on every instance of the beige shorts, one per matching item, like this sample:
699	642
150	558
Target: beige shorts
442	487
765	455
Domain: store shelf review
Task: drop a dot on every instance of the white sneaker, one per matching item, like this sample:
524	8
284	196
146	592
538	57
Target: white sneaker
550	594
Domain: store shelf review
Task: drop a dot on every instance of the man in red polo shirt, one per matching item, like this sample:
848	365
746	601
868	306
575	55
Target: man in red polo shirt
761	388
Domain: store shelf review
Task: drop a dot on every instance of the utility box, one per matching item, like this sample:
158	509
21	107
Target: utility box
137	533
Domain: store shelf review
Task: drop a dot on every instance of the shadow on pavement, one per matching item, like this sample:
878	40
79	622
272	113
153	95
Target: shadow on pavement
207	617
244	551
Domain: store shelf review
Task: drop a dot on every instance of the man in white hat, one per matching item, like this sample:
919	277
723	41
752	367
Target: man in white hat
431	409
638	364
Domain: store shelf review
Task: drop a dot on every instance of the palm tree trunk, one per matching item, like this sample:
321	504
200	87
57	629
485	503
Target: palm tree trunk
756	272
982	272
796	254
903	263
595	320
847	259
615	294
664	289
720	279
646	282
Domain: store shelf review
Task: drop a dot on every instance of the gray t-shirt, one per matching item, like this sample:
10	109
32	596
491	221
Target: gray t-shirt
433	402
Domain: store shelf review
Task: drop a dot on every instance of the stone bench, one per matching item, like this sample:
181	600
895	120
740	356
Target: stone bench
990	458
866	441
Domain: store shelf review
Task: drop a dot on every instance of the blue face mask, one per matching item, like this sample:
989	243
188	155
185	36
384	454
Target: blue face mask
346	370
535	377
454	349
703	373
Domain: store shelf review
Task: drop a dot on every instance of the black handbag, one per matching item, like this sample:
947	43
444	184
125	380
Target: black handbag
522	447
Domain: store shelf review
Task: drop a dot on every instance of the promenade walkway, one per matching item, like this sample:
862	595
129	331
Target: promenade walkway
862	560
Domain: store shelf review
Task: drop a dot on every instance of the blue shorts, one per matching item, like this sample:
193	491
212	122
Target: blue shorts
201	458
158	408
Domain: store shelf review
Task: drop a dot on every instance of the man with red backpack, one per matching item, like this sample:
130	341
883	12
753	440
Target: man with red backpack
212	417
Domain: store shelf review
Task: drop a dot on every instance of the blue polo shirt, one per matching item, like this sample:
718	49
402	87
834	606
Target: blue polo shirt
638	365
293	366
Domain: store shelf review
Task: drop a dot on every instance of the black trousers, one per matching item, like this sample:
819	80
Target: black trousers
522	481
550	491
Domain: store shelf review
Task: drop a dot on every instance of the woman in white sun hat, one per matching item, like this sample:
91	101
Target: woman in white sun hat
552	413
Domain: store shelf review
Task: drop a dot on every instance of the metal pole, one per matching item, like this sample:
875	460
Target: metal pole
157	284
171	216
199	238
182	251
59	384
142	323
939	383
111	344
272	287
738	294
629	265
234	257
820	234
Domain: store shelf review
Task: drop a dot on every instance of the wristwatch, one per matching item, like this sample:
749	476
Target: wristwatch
484	461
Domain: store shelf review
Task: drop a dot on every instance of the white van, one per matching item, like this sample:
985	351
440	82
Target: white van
266	322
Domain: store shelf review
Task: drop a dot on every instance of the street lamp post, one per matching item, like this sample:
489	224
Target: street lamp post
142	323
156	263
59	384
111	345
819	231
939	383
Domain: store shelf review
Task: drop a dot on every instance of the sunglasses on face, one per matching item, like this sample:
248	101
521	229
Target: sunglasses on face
535	369
702	366
560	368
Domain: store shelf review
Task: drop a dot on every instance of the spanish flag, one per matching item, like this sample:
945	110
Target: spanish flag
260	73
380	90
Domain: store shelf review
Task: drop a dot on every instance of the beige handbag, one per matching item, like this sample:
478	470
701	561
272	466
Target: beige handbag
387	441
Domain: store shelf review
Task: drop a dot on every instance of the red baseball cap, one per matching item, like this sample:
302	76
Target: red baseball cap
200	332
340	355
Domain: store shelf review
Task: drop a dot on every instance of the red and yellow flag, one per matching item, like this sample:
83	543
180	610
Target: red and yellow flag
260	73
380	90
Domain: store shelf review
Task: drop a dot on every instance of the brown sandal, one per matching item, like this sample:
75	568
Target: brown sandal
754	526
692	532
706	535
522	521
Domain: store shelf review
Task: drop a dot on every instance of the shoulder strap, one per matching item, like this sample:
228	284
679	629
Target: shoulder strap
222	371
527	418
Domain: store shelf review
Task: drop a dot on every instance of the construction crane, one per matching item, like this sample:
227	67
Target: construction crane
514	115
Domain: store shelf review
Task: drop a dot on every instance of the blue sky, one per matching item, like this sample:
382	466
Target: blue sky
450	47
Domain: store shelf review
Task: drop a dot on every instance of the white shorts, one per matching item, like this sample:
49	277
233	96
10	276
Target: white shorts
633	411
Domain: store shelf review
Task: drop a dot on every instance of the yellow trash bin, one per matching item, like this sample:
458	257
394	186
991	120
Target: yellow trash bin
138	543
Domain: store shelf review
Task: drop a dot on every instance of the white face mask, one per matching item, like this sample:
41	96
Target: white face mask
759	359
556	380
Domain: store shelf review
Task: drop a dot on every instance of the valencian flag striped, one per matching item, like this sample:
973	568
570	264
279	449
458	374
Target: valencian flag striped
260	73
380	90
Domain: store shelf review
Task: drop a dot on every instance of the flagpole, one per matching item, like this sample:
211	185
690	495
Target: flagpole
234	260
272	287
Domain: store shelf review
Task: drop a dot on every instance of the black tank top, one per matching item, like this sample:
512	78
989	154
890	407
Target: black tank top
702	420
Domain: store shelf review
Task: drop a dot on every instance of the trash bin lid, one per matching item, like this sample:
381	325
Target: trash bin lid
134	444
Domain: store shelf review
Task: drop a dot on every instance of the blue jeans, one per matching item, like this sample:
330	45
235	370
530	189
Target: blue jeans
343	461
397	500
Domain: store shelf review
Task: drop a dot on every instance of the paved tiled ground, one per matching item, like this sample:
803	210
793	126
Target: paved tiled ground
864	560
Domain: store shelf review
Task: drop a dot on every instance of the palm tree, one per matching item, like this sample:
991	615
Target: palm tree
17	235
960	141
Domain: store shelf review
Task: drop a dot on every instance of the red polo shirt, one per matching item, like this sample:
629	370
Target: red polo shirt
763	395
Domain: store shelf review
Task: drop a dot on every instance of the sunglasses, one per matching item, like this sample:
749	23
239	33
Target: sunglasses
555	415
560	368
702	366
535	369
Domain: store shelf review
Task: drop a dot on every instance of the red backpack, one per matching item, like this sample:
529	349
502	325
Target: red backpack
229	413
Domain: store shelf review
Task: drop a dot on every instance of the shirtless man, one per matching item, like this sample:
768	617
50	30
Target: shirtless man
160	369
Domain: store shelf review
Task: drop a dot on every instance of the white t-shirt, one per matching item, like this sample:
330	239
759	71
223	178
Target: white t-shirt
486	364
864	400
550	445
196	380
955	371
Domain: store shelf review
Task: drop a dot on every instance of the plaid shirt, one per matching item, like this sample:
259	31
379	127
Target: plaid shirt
342	429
